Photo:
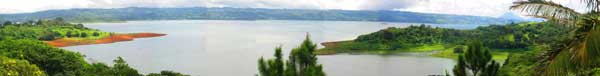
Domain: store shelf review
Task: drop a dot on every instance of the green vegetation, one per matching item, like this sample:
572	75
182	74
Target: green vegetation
574	56
478	60
302	62
167	73
49	30
501	39
14	67
23	53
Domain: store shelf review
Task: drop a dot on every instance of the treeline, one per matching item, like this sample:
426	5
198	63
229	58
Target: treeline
510	36
199	13
22	53
47	30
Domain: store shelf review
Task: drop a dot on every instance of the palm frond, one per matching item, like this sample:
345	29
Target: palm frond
593	5
580	54
547	10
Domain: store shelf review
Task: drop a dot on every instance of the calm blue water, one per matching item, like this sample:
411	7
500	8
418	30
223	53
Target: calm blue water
232	48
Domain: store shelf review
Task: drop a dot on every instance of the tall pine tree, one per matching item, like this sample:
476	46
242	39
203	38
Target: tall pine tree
302	62
478	60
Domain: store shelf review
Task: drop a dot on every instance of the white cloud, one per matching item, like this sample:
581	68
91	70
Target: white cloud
492	8
463	7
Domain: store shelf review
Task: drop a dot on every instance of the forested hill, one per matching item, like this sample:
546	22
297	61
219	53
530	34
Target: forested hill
199	13
509	36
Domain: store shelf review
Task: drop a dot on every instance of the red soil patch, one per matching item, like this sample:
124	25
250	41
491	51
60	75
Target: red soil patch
110	39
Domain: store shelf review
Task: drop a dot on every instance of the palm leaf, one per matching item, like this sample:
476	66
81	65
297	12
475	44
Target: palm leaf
581	54
592	4
547	10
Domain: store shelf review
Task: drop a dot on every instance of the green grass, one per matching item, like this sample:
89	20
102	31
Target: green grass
89	32
497	54
426	48
409	48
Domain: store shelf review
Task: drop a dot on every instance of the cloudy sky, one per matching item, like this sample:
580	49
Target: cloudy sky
492	8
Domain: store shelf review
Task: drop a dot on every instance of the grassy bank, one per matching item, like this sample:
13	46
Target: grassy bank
347	47
438	50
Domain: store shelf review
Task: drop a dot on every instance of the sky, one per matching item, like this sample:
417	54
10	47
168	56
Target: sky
492	8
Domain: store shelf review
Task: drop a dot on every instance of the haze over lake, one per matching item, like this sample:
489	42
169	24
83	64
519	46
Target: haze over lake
232	48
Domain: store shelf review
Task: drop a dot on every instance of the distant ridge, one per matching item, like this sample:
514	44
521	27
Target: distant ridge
201	13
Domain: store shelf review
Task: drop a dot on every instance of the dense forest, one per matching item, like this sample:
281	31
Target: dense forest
200	13
23	51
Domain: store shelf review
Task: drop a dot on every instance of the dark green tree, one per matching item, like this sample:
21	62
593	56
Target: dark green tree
59	19
302	62
69	34
272	67
460	68
83	34
50	36
167	73
95	34
304	59
7	23
477	57
121	68
478	60
101	69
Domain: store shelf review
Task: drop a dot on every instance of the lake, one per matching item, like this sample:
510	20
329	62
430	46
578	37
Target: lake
232	48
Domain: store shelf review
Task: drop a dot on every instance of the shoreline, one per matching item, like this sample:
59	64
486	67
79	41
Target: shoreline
65	42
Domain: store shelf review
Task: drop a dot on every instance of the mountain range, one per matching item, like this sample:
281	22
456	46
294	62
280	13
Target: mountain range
202	13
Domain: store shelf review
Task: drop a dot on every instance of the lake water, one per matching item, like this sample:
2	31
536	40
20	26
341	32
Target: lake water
232	48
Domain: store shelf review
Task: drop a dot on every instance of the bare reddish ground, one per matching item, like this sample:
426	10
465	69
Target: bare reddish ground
110	39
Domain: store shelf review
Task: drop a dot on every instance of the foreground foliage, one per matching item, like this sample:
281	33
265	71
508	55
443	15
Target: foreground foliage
476	61
576	56
302	62
15	67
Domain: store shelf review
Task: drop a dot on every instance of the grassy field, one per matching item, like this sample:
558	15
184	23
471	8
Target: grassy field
439	50
78	34
497	54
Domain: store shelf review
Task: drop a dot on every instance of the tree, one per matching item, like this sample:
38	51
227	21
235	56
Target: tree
101	69
83	34
460	67
53	61
477	57
478	60
577	54
69	34
14	67
7	23
302	62
59	20
121	68
304	59
50	36
272	67
96	34
167	73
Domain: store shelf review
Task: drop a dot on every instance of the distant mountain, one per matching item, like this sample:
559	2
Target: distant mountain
511	16
200	13
514	17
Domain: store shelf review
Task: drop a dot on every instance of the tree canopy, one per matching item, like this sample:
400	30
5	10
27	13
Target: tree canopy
302	62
